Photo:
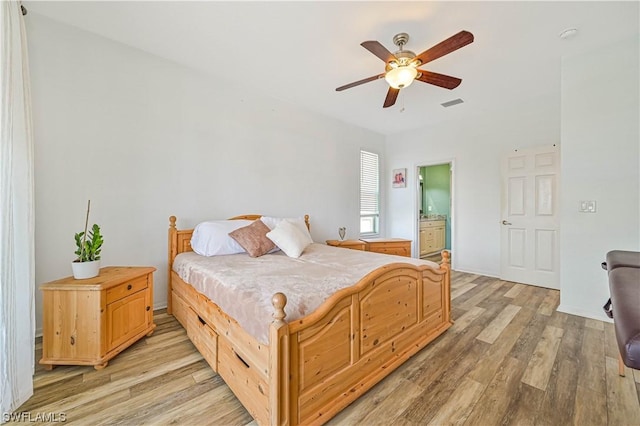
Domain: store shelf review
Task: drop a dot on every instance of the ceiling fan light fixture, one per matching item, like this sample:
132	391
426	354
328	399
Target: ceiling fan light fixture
401	77
401	67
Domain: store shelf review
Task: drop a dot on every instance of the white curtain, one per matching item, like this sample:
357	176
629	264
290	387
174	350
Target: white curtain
17	270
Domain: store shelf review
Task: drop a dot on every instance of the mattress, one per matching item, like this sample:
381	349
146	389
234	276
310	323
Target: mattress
243	286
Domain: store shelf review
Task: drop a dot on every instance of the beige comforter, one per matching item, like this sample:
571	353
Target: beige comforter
242	286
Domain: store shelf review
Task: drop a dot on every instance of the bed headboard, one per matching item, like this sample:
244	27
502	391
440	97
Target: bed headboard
180	239
180	242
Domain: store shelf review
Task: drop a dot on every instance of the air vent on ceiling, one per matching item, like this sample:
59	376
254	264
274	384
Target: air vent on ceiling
452	103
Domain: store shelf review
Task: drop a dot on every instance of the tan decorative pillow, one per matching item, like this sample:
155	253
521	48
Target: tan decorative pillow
253	238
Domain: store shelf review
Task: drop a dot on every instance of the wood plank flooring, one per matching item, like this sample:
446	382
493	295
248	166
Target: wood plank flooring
509	359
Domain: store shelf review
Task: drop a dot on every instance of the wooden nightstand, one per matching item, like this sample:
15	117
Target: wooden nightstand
397	246
350	244
88	322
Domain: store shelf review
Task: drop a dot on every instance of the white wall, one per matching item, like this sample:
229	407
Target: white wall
476	146
597	125
600	161
145	138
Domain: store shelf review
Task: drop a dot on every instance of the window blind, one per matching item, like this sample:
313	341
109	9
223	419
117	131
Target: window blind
369	192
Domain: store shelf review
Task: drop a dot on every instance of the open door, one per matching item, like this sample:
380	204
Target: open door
435	208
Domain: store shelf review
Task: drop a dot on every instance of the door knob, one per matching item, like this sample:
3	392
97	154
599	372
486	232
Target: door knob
504	222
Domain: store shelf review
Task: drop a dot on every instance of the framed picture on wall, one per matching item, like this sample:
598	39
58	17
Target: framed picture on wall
399	178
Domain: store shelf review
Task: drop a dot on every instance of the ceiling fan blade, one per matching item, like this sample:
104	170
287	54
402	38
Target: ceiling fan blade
378	49
447	46
359	82
441	80
392	95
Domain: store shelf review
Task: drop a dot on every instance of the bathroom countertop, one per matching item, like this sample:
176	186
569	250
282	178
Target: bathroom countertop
434	217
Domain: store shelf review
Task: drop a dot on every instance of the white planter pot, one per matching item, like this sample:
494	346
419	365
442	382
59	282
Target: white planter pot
83	270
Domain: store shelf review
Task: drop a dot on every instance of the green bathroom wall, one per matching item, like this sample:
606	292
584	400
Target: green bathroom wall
436	197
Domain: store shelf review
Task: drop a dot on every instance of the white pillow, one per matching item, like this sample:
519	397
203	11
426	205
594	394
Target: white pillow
291	240
212	238
299	222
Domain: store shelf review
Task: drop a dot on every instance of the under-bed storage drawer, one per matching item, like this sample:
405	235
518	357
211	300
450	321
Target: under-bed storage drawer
179	308
203	337
245	381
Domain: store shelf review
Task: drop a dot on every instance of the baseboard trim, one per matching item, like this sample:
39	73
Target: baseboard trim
572	310
483	273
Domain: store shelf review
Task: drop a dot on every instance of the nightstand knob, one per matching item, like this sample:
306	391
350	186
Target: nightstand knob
129	287
73	340
148	307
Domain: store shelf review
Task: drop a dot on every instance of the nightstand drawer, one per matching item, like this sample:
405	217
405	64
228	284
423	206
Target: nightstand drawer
125	289
398	251
350	244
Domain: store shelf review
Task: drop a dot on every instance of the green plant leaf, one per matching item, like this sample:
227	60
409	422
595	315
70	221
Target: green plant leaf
92	245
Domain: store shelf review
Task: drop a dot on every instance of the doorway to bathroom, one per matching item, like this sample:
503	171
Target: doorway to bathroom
435	210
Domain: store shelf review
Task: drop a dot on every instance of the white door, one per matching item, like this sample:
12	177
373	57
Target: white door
530	217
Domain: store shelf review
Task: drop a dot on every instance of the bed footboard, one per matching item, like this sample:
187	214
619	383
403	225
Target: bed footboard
361	335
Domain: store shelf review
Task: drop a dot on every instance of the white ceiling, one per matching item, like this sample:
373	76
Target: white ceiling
301	51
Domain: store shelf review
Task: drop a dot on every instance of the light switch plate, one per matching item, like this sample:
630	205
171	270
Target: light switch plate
587	207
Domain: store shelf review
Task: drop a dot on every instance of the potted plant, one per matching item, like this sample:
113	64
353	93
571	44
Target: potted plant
88	247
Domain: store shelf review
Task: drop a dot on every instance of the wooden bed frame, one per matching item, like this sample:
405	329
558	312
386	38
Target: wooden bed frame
316	366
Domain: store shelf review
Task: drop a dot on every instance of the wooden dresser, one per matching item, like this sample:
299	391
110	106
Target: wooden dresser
397	246
88	322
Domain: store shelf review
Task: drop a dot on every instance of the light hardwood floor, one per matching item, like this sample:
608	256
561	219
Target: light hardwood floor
509	359
433	257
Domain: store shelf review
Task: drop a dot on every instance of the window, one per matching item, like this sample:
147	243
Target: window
369	193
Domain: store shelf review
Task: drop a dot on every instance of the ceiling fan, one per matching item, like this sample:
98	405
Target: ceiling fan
401	68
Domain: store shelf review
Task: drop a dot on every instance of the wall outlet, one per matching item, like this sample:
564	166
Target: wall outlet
587	207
